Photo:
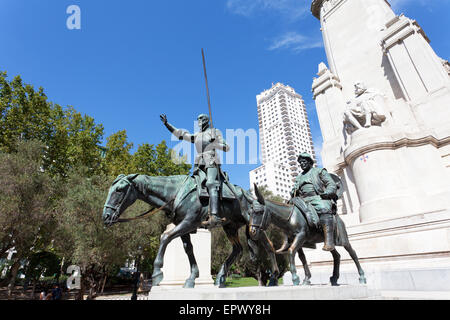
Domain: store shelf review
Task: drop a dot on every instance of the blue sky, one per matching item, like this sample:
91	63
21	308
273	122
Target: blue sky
133	60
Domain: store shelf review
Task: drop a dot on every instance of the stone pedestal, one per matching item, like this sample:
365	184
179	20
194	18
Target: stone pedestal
406	253
176	264
396	174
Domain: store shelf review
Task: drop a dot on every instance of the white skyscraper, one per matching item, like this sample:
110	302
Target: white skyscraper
284	133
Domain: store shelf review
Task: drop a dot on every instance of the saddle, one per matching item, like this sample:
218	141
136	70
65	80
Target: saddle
225	193
308	212
197	183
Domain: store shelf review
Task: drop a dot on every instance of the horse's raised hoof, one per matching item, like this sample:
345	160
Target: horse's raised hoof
157	278
334	282
306	283
189	284
362	280
283	250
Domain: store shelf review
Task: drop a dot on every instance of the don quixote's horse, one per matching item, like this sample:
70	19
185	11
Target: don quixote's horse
299	234
179	198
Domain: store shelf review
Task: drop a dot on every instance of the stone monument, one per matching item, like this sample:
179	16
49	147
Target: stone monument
394	161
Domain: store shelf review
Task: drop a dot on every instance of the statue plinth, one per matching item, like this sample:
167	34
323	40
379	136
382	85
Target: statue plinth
390	170
176	264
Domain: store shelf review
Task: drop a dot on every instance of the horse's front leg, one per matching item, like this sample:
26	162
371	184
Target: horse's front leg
295	246
188	248
183	228
268	246
336	263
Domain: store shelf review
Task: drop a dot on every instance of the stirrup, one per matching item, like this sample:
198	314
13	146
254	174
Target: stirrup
213	221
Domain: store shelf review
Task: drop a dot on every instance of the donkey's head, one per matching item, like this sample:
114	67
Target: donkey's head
122	194
259	216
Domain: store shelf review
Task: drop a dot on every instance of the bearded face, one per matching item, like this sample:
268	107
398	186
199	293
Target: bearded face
203	122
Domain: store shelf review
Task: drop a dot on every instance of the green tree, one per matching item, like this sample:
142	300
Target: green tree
70	138
24	113
118	159
81	237
74	141
41	263
26	203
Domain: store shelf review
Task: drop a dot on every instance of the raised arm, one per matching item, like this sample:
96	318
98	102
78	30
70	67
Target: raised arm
179	133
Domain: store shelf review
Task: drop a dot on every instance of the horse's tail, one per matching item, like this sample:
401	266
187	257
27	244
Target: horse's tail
341	236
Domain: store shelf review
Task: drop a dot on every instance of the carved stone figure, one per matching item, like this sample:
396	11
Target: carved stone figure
364	110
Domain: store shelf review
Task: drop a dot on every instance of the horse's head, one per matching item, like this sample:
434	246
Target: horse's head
122	194
259	216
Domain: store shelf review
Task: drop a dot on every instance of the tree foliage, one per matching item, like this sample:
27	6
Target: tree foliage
26	202
70	138
55	182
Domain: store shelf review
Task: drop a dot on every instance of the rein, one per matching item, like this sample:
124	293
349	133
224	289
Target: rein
264	221
148	212
266	216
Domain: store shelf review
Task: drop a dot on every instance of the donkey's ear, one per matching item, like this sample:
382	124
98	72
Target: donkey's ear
131	177
259	196
119	177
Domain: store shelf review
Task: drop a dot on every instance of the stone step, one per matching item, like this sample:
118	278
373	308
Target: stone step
314	292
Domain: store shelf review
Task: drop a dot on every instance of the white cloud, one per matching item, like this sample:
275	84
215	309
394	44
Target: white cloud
292	9
295	42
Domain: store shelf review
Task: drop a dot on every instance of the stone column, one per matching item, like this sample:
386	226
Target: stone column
421	74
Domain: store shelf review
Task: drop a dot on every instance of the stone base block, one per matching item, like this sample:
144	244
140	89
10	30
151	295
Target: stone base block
409	253
314	292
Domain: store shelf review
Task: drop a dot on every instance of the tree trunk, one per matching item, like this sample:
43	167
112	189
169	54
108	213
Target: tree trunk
92	288
12	280
82	287
33	288
61	271
104	282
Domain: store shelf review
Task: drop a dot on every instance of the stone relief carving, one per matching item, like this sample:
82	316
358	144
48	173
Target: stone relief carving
365	110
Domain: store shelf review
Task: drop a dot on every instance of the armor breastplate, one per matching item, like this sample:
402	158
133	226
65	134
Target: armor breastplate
206	154
202	141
